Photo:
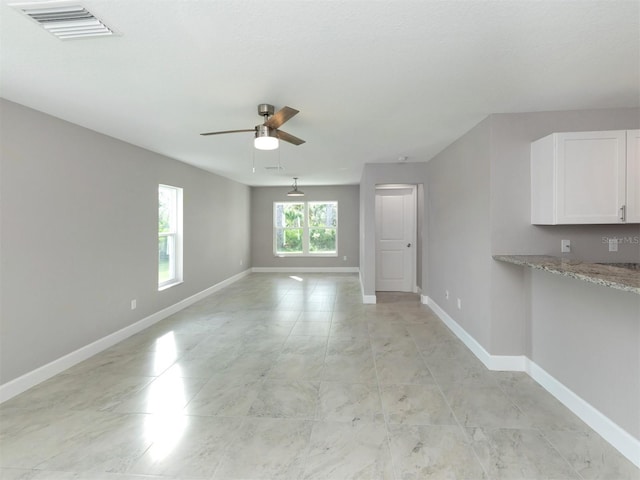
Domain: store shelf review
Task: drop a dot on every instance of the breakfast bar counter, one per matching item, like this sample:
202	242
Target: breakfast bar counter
621	276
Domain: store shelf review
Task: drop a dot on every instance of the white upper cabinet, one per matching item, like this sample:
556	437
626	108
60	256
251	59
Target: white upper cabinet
586	178
633	176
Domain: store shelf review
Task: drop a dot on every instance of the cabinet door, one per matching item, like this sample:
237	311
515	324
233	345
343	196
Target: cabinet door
633	176
591	175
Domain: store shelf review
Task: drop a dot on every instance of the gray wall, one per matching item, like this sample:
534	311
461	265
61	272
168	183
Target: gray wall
511	229
262	199
79	236
479	204
588	336
459	231
380	174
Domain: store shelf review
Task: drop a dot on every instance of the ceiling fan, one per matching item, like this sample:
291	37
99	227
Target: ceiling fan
268	134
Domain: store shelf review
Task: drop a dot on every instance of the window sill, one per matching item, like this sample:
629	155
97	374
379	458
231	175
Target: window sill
169	285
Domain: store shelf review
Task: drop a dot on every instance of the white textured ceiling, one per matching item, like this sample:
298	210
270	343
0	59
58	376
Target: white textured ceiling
374	80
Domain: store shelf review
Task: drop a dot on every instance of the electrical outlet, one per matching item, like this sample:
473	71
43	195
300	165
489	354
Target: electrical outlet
613	244
565	246
446	294
134	304
344	259
240	262
459	304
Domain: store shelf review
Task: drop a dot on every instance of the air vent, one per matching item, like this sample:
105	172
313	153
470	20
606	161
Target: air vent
66	21
274	167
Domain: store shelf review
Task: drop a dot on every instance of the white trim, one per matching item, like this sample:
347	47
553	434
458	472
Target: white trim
507	363
177	236
625	443
305	230
413	235
366	299
305	269
391	186
18	385
369	299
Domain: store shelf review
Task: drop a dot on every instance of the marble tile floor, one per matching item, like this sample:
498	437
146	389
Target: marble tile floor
291	377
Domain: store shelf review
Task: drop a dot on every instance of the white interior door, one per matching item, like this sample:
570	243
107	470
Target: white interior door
395	239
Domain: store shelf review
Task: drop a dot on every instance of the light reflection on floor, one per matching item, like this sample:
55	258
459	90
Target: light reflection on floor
165	431
166	397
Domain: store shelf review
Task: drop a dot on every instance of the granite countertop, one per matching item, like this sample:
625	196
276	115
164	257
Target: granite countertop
622	276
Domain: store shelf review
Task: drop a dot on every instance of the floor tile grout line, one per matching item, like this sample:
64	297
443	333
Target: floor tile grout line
245	418
464	431
550	443
228	445
394	468
314	420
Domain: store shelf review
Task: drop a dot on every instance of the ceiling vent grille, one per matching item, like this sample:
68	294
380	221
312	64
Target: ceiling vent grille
66	21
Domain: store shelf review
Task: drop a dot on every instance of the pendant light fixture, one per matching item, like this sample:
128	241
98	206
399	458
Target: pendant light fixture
295	192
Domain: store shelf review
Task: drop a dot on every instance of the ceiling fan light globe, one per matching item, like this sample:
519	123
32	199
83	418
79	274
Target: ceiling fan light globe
266	143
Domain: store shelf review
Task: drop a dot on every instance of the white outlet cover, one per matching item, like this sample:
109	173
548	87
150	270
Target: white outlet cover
459	304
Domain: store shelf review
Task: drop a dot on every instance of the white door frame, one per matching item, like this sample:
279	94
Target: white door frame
414	229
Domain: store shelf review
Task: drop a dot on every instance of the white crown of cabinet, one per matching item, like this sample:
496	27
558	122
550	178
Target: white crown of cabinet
586	178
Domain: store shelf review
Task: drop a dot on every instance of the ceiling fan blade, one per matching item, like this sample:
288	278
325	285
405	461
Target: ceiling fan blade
228	131
287	137
281	116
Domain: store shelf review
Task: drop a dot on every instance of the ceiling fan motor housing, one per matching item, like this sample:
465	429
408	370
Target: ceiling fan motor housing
266	110
265	131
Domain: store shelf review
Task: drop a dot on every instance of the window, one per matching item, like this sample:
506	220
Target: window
169	236
305	228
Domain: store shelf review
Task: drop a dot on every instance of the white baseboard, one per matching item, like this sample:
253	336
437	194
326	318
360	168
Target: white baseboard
18	385
366	299
305	269
624	442
507	363
369	299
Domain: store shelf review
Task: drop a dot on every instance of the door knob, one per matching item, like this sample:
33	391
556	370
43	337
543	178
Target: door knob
408	245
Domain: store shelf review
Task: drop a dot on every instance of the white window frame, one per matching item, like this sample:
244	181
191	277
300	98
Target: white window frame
305	230
174	239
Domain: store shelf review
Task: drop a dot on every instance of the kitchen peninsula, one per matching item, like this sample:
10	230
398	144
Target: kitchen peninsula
621	276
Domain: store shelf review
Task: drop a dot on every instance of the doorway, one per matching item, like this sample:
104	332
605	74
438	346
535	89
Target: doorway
396	259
